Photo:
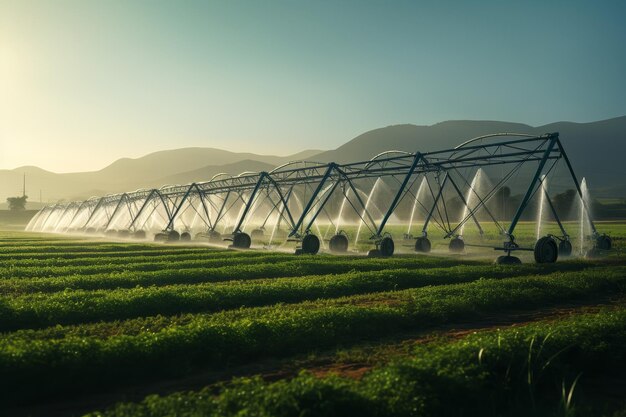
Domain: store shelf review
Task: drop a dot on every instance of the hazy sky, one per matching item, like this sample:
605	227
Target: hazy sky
83	83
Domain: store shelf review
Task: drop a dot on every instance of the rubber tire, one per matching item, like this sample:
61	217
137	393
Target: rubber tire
338	243
173	236
242	240
456	245
565	248
546	251
124	234
110	232
603	242
185	237
161	237
139	234
422	244
508	260
310	245
386	247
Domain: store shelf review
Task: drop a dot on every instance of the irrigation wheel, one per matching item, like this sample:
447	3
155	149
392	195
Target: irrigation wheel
160	237
124	234
338	243
241	240
456	245
565	248
386	247
422	244
508	260
603	242
173	236
546	250
310	245
139	234
210	236
185	237
214	235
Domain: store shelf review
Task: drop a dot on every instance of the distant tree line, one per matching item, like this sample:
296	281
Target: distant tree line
17	203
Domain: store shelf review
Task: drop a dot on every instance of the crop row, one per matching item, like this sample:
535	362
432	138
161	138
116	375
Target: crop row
12	241
538	369
81	246
98	267
130	257
80	306
154	324
92	266
155	251
181	273
33	367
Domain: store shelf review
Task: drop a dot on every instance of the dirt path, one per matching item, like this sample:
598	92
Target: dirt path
351	362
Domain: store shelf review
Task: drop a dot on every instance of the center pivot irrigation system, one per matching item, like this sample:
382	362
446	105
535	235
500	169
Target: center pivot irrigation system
296	201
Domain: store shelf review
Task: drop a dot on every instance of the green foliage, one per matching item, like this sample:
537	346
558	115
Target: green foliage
81	316
483	374
79	306
82	362
17	203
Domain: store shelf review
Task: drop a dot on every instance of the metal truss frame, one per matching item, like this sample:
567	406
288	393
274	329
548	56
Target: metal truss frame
315	184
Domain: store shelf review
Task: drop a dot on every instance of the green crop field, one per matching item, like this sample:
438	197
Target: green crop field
119	328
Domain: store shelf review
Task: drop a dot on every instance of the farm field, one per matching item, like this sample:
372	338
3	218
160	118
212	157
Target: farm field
120	328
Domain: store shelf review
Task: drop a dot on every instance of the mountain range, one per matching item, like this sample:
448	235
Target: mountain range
596	150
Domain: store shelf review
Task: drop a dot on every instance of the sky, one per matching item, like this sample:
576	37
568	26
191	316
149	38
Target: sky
83	82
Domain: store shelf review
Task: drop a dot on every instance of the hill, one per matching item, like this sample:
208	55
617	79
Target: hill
206	173
173	162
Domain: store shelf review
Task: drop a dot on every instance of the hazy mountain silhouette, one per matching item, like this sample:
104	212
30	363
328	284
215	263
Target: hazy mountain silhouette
172	162
178	166
206	173
596	149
